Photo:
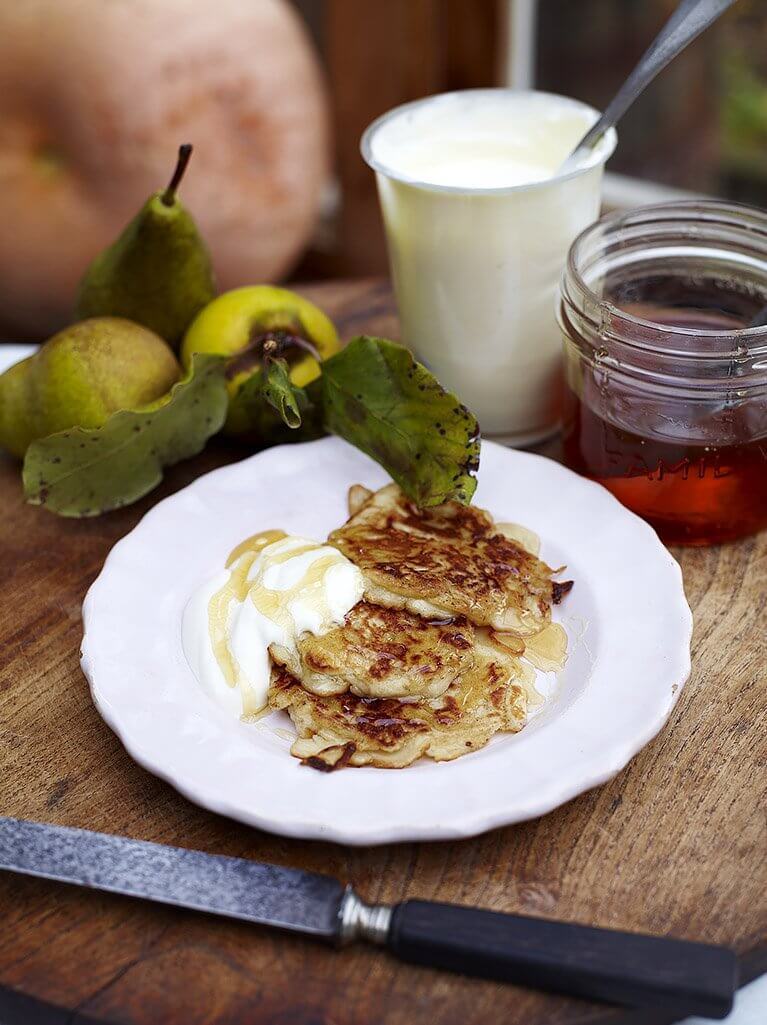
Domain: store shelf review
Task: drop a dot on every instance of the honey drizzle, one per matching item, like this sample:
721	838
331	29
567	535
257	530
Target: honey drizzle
527	681
272	604
235	589
255	543
511	641
547	650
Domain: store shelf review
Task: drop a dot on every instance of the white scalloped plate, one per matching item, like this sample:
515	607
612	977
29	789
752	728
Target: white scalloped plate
627	619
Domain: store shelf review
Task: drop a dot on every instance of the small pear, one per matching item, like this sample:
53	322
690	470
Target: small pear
158	272
80	376
238	323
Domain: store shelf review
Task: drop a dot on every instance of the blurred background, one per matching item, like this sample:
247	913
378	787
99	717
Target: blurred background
700	128
95	97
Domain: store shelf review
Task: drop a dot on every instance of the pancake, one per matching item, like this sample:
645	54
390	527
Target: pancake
450	560
382	652
346	729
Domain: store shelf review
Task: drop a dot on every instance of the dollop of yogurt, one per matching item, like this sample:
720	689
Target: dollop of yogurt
275	588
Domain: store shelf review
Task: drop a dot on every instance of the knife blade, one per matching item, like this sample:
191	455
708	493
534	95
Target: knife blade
602	964
267	894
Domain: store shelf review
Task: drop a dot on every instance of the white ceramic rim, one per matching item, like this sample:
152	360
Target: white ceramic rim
642	625
600	154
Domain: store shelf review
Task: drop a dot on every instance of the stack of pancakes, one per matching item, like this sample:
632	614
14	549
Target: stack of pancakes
431	661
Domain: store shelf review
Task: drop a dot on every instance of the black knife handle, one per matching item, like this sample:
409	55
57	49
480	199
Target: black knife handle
619	967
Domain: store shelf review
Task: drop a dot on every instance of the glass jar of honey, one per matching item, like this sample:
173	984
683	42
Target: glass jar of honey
666	375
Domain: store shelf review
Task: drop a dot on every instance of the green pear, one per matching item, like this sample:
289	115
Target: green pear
80	376
158	272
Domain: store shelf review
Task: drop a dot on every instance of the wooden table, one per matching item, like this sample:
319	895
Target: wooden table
675	844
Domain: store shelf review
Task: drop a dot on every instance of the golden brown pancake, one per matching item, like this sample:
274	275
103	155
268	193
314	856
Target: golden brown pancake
382	652
346	729
449	560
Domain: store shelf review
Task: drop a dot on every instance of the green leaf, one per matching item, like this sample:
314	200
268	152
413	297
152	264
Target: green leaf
251	418
84	472
378	398
280	393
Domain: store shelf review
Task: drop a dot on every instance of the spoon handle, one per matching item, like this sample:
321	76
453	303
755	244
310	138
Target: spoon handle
687	22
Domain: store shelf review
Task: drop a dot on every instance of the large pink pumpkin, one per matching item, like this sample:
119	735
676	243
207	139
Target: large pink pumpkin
96	96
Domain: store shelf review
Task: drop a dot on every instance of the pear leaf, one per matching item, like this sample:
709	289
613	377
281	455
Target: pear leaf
88	471
378	398
281	394
261	423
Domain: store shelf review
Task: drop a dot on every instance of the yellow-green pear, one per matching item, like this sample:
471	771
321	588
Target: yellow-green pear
80	376
236	323
158	272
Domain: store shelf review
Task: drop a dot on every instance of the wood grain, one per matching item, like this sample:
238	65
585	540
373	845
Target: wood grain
675	844
379	55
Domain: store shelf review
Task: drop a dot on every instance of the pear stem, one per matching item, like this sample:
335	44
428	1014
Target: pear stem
184	153
266	346
275	342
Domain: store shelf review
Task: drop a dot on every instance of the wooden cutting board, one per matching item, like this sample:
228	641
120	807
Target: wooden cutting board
676	844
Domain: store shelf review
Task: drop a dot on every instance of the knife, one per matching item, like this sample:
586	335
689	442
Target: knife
619	967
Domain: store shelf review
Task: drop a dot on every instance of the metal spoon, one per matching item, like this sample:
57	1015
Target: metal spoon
686	23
